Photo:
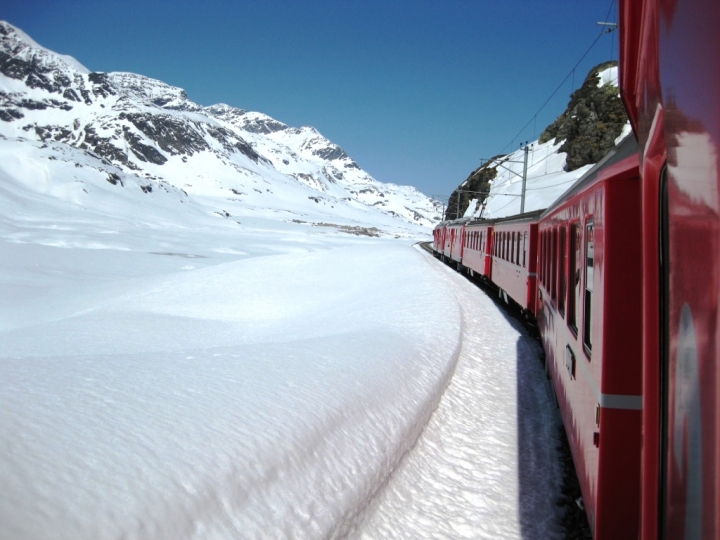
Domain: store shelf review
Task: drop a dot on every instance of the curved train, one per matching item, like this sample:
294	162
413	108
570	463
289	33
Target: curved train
622	274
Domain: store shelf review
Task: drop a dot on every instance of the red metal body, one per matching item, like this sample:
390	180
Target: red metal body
477	256
439	237
514	267
454	240
670	83
589	315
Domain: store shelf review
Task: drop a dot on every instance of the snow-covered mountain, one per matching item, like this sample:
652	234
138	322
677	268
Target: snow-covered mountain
137	133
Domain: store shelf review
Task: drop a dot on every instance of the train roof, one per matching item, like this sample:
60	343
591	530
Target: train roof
627	147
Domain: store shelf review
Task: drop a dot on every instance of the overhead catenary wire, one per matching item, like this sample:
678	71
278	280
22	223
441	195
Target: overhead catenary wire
570	73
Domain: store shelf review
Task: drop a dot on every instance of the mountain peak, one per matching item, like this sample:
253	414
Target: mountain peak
16	43
133	125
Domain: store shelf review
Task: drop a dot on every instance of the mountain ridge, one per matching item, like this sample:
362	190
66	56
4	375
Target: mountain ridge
153	130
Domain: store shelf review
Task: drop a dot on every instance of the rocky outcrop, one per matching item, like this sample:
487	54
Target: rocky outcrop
588	128
592	121
476	186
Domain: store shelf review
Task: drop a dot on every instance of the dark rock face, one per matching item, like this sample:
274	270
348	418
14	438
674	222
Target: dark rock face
330	153
170	133
476	186
264	126
593	120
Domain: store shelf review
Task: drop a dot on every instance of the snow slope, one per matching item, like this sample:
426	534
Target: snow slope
268	396
547	179
486	465
180	363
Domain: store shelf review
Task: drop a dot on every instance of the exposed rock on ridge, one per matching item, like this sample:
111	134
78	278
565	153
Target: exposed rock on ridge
147	128
592	121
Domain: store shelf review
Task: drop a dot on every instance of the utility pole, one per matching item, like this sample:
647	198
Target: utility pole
524	180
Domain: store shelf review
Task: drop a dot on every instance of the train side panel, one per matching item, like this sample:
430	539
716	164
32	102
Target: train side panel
514	261
588	313
670	82
477	253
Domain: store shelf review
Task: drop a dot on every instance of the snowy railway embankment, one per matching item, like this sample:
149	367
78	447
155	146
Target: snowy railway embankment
266	397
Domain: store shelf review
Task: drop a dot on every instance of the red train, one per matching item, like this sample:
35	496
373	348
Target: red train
622	274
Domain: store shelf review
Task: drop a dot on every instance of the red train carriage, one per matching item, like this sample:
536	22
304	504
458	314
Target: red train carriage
439	238
477	255
514	266
670	83
454	240
589	315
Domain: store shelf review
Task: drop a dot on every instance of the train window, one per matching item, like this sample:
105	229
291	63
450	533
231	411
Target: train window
553	260
541	266
524	259
574	300
589	274
512	249
517	250
547	260
563	272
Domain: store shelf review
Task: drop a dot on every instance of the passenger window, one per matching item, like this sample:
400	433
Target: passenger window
546	261
524	259
574	300
589	274
544	258
563	271
517	250
553	259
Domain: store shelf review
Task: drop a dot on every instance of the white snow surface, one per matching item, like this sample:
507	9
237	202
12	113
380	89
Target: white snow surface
166	375
175	364
166	372
546	180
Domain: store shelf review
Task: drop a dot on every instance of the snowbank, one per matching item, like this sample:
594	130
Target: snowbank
265	397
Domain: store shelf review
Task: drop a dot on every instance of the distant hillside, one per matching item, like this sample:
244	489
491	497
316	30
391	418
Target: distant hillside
594	119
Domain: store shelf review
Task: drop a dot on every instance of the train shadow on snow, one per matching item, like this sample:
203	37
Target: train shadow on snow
541	438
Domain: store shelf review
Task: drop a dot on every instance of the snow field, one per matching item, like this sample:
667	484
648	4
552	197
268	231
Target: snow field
486	465
267	397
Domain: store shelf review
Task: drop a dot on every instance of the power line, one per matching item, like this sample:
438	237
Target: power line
571	73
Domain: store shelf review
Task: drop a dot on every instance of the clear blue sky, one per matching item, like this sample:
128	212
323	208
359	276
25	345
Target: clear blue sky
415	91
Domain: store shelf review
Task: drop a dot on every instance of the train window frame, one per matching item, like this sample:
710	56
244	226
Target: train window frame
542	258
575	276
562	273
553	263
512	247
524	259
589	283
547	261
